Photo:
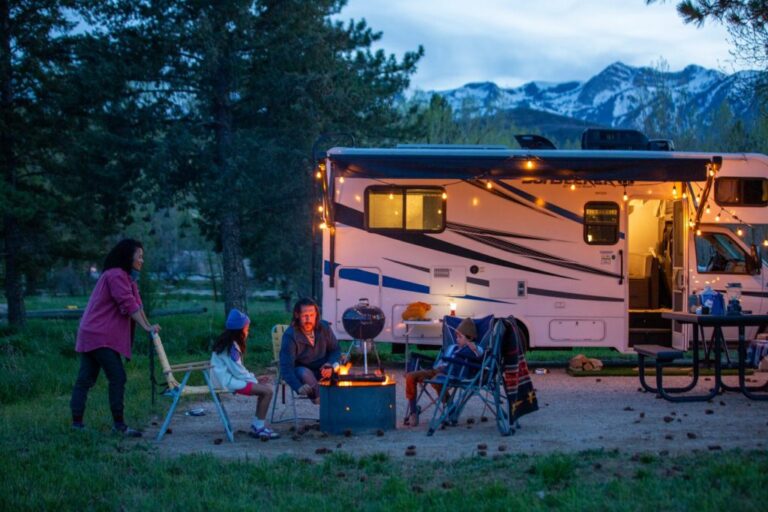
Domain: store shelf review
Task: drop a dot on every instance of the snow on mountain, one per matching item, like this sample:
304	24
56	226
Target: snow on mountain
618	96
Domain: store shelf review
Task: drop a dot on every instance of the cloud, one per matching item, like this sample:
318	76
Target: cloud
511	42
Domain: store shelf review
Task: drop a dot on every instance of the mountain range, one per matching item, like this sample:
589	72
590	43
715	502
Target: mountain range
620	96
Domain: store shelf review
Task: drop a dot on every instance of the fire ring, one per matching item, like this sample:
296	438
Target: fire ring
358	408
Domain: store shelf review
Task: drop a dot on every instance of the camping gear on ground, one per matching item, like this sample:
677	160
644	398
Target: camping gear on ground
581	362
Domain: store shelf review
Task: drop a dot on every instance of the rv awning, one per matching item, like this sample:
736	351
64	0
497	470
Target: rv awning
499	164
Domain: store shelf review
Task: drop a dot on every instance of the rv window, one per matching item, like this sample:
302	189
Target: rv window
741	191
601	223
719	253
405	208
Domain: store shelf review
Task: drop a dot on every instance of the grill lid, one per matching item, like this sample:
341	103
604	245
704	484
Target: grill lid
363	321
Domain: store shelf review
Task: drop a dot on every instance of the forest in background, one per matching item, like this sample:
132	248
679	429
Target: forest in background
194	127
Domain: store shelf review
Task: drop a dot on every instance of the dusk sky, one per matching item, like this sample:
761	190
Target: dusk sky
512	42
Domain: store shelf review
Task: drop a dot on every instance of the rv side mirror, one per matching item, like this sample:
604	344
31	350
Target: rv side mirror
753	261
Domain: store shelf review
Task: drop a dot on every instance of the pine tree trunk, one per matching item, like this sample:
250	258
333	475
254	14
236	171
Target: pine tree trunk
233	280
14	291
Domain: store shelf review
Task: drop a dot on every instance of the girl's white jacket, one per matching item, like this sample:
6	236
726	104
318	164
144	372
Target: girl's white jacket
228	371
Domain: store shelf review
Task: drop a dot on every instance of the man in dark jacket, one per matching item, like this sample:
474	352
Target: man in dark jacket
309	350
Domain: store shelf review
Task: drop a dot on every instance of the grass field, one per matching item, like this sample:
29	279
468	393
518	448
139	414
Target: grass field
47	466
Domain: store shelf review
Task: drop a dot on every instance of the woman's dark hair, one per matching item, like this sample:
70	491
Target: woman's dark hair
226	338
121	255
306	301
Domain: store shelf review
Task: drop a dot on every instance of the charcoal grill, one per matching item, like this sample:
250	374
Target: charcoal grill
353	400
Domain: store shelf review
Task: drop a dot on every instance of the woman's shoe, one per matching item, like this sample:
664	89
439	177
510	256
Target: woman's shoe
125	430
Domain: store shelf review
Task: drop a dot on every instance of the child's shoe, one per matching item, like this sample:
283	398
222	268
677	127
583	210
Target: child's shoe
263	433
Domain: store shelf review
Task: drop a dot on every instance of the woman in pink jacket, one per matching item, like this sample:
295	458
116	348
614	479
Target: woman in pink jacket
106	332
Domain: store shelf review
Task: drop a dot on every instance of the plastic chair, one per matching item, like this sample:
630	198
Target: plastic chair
178	389
277	339
464	379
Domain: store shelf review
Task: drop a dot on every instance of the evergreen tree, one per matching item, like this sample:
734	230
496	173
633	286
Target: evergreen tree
242	88
63	180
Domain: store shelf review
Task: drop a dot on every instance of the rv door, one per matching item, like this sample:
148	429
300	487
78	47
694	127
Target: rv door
679	229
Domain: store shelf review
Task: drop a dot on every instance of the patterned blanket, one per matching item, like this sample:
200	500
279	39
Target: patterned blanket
517	378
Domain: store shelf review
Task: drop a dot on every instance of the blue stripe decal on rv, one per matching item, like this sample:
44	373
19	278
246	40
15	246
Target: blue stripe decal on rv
545	205
399	284
371	278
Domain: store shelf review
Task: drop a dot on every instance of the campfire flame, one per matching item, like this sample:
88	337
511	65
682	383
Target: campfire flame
344	369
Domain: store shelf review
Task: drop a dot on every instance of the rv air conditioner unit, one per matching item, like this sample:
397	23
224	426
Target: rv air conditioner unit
606	138
534	142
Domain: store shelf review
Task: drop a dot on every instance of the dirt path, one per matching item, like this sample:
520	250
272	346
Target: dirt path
575	414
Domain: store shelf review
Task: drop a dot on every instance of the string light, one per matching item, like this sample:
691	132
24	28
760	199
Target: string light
488	185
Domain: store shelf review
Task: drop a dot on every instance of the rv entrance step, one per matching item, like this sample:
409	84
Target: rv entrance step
648	327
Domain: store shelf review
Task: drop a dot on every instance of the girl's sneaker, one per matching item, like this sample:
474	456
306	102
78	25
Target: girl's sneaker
263	433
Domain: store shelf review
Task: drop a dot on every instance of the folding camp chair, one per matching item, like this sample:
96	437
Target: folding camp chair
465	378
277	339
176	390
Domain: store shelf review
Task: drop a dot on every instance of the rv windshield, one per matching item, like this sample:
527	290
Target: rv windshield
719	253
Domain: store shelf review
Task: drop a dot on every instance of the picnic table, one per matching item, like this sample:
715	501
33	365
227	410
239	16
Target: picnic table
717	322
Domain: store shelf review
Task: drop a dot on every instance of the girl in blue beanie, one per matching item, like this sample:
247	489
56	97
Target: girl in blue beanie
229	372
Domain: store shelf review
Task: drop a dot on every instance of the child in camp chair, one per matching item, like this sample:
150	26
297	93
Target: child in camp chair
465	346
229	372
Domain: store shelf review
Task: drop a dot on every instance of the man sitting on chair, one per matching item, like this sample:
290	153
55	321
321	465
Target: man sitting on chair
308	351
466	334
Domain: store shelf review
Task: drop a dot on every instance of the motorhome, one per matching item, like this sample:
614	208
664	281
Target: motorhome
586	248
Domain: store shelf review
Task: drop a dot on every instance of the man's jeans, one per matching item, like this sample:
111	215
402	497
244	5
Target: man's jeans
311	377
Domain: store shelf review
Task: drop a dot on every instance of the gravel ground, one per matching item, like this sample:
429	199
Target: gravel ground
575	414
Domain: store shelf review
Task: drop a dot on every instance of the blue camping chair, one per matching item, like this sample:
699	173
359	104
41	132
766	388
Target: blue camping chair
420	362
463	377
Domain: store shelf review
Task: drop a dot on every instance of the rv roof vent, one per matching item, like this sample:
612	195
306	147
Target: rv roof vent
534	142
451	146
608	138
661	145
441	272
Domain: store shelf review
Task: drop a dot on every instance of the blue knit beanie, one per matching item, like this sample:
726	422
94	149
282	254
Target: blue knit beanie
237	320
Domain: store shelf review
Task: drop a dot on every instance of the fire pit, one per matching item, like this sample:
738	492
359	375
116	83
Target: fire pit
353	401
358	407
